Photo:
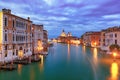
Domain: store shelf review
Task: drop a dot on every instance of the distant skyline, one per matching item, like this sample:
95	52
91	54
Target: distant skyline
75	16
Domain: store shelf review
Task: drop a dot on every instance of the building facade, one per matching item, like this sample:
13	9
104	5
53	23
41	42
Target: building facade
95	39
67	38
37	39
91	39
19	38
45	40
110	36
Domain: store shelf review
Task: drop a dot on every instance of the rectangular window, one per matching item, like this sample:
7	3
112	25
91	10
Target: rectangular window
6	54
16	52
5	37
103	40
115	41
5	21
13	53
115	35
6	47
13	24
13	46
13	37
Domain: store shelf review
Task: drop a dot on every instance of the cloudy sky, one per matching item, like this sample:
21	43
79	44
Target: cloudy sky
76	16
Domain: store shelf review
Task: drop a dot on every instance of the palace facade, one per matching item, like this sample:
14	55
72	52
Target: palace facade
19	37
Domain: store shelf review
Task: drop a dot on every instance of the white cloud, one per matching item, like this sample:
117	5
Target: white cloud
49	2
113	16
74	1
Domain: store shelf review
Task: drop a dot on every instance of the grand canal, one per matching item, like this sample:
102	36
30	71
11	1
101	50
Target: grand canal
67	62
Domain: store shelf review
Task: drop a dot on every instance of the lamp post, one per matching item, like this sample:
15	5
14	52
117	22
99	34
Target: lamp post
114	55
95	44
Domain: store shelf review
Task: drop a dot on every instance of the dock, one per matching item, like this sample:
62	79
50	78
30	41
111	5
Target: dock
8	67
24	62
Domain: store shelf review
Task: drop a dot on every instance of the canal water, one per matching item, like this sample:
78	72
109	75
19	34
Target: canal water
67	62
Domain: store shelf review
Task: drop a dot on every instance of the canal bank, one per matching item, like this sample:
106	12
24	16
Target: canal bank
67	62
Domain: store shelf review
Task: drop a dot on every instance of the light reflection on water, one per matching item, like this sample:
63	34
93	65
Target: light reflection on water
114	71
19	69
95	56
68	48
32	74
41	65
84	64
94	62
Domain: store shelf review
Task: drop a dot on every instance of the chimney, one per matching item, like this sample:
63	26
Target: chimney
6	10
28	18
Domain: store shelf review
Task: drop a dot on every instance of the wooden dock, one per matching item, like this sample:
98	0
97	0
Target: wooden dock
36	60
8	67
24	62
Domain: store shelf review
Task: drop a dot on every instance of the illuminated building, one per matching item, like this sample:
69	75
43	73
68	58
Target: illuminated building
95	39
91	39
63	34
37	36
15	36
67	38
110	36
18	36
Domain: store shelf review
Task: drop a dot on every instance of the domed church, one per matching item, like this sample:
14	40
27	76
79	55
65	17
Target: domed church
66	38
63	34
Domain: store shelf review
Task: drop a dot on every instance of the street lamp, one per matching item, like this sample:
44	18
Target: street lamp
114	55
95	44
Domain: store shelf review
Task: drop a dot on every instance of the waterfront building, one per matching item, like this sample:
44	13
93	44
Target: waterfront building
45	40
19	37
95	39
87	38
63	34
91	39
37	37
15	36
110	36
102	40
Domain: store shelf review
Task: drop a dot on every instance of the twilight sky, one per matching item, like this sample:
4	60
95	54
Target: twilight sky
76	16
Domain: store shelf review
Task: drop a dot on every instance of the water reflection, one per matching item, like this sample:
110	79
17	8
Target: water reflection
83	49
68	56
41	63
95	57
19	69
94	62
32	74
114	71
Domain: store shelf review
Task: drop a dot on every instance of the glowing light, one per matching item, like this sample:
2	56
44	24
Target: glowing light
54	40
77	42
40	47
20	54
63	34
114	71
95	43
114	54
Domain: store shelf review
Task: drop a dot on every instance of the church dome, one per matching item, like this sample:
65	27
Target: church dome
69	34
63	34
